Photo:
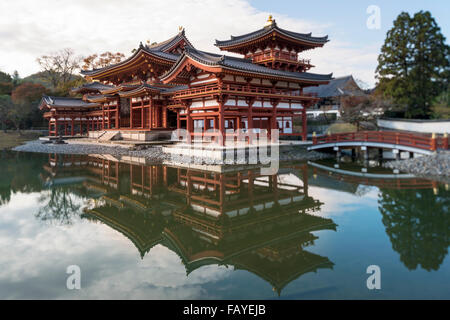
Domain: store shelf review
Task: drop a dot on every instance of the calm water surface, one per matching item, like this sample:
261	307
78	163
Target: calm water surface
162	232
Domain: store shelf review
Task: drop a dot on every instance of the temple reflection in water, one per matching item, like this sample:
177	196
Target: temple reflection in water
243	219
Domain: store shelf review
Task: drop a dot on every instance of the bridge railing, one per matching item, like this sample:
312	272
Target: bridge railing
398	138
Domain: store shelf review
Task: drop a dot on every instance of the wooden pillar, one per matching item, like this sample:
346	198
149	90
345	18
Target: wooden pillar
304	129
142	113
222	129
150	115
158	117
65	127
273	118
222	192
103	117
305	179
189	124
250	119
72	128
56	127
164	117
117	124
178	119
131	113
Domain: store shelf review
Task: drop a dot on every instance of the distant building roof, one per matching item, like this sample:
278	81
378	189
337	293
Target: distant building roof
341	86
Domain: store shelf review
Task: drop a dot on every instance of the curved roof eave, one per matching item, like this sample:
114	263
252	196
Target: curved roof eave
156	54
235	41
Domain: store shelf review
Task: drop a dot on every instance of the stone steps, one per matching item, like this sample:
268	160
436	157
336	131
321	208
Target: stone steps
107	136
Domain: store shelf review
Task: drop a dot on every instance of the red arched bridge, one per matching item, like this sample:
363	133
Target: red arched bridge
411	142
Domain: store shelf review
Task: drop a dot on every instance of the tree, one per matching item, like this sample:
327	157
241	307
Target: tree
6	83
103	60
25	98
418	225
59	67
15	78
27	92
413	67
441	106
4	77
5	108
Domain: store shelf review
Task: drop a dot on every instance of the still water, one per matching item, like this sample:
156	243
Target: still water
163	232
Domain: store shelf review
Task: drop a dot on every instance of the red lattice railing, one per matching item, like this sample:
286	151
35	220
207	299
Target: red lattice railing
398	138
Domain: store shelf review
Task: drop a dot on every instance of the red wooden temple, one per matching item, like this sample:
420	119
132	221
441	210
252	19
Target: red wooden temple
172	85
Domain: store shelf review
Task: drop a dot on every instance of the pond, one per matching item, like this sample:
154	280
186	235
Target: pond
138	231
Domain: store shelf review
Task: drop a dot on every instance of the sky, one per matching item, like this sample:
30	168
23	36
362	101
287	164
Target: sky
29	28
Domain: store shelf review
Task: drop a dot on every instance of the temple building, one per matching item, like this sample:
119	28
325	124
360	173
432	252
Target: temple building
172	85
331	96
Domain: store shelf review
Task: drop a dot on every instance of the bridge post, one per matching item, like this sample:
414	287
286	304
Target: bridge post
433	142
338	153
380	153
365	152
314	138
396	153
445	141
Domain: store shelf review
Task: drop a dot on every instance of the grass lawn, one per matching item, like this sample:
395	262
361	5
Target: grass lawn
11	139
342	127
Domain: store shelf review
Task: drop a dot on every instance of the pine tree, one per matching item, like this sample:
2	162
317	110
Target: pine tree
413	67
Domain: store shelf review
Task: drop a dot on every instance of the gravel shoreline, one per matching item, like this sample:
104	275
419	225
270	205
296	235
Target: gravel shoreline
435	166
152	154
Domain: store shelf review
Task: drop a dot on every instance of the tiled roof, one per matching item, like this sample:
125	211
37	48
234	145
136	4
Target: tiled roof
92	86
141	89
176	88
159	54
169	43
240	64
120	87
337	87
306	37
66	102
99	97
158	50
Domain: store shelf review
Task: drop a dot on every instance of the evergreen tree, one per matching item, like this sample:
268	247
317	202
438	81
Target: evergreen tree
15	78
413	67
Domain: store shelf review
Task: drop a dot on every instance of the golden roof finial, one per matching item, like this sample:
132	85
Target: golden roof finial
180	28
269	21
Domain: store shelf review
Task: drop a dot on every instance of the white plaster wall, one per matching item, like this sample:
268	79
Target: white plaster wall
417	126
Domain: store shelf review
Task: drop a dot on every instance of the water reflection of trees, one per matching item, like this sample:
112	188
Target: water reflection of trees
418	225
19	173
61	205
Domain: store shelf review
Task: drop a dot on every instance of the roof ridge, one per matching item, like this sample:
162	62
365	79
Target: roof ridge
267	29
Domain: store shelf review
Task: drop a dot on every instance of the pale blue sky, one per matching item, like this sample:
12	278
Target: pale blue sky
346	20
29	28
348	17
